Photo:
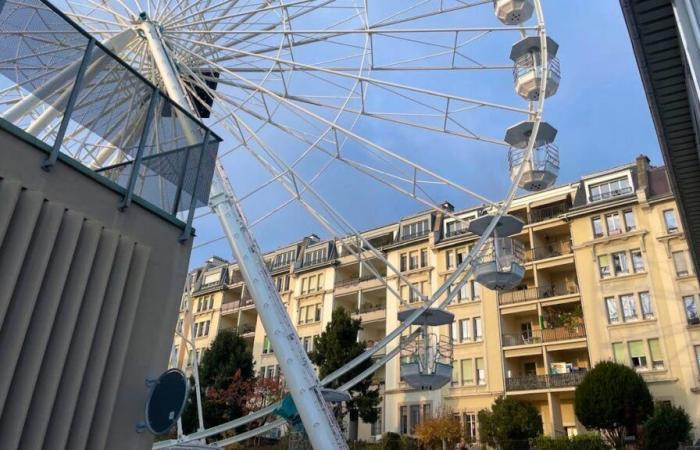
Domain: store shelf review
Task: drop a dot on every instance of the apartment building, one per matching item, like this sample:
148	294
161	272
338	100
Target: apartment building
608	277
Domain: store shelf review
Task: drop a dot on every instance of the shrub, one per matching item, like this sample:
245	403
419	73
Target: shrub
581	442
614	399
510	424
390	441
666	429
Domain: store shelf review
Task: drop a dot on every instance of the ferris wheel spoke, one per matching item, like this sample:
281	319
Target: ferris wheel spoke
359	139
396	19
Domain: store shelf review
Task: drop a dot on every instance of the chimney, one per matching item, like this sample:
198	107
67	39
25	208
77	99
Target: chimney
447	206
643	174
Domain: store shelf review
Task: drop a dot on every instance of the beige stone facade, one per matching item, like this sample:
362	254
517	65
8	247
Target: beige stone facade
608	276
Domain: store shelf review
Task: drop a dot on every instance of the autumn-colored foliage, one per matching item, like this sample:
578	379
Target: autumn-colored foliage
440	432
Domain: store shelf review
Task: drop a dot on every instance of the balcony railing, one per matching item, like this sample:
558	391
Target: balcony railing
534	382
551	250
409	236
229	306
535	293
611	194
545	335
169	170
548	212
456	232
370	308
352	281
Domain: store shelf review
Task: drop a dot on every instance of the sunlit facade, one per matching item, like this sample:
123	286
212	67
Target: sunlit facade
608	277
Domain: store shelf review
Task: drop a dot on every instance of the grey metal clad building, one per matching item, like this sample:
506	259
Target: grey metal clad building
665	37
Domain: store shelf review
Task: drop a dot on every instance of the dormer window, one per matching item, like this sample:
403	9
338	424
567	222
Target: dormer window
609	189
284	259
415	229
314	256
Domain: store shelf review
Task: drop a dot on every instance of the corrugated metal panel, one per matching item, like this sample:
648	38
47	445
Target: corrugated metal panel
69	292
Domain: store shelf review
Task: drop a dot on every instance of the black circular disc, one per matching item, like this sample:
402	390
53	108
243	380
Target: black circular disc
166	401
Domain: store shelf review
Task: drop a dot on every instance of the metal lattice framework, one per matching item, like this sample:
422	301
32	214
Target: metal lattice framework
299	87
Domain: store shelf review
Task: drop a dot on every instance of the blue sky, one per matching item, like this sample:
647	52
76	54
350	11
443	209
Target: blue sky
600	111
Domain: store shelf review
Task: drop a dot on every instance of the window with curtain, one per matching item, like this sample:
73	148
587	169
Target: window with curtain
611	306
655	353
681	263
467	371
469	425
449	259
414	417
477	329
670	221
464	330
403	413
619	353
691	310
630	224
614	223
637	354
637	261
604	266
480	371
629	308
424	257
645	301
597	225
620	262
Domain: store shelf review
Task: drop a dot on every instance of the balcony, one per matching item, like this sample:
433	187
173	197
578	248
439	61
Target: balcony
456	232
547	213
230	307
544	336
535	293
371	313
551	250
535	382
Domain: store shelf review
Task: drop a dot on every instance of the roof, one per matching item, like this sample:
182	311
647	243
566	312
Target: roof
659	53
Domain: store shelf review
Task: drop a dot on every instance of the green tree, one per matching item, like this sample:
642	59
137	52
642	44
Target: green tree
614	399
334	348
510	424
226	379
667	428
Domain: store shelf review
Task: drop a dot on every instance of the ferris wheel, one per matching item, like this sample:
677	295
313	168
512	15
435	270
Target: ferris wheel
390	92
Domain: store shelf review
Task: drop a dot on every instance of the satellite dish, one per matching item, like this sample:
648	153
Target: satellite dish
166	401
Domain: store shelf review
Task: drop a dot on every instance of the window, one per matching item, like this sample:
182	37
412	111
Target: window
403	262
424	258
304	285
462	294
697	356
312	283
670	221
314	256
464	330
681	264
178	328
206	327
597	227
413	260
691	310
403	413
376	427
611	306
450	259
604	266
614	224
480	371
619	353
637	261
476	290
620	262
469	426
629	307
657	357
645	301
319	286
414	229
477	328
427	411
317	314
284	259
630	224
267	347
467	371
306	342
414	411
609	189
454	332
637	355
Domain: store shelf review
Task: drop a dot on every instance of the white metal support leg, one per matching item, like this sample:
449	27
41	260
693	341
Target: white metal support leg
303	384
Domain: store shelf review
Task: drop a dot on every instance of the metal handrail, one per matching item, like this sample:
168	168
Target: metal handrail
544	335
535	293
611	194
557	380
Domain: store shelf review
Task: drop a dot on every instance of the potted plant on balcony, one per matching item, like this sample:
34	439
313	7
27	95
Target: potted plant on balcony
568	320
